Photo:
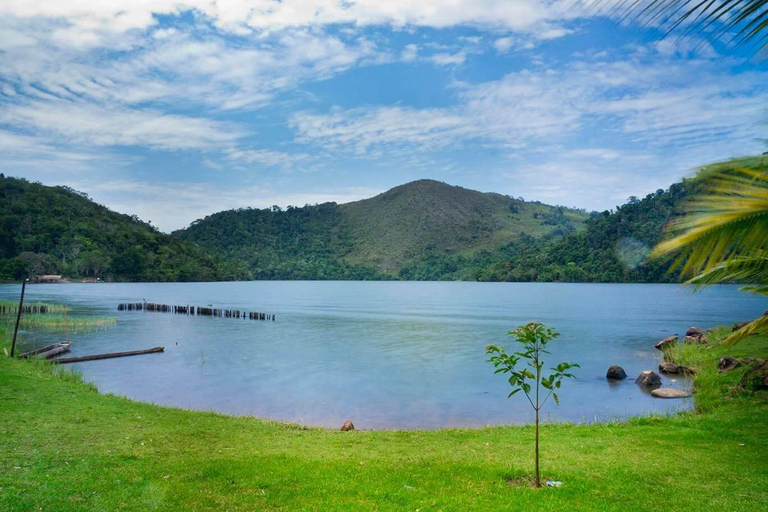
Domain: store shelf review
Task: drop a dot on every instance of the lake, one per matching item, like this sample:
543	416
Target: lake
383	354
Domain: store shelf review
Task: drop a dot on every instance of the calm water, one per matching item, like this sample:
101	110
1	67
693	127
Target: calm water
385	355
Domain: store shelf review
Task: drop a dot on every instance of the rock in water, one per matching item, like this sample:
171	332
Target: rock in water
649	379
727	364
666	343
670	393
616	372
347	426
673	369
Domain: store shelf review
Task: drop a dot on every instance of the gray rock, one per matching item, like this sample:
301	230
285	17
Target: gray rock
616	372
666	343
649	379
726	364
756	378
702	339
670	393
347	426
674	369
694	331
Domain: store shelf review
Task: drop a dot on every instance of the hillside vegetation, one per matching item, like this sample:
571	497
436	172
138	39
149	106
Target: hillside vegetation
427	230
424	230
57	230
378	238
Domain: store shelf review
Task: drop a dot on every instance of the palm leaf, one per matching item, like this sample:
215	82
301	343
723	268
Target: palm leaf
737	23
728	224
751	271
754	326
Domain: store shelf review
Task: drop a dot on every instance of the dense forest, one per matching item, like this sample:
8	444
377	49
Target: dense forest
612	248
57	230
378	238
425	230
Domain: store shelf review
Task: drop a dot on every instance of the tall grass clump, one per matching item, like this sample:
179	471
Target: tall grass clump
711	387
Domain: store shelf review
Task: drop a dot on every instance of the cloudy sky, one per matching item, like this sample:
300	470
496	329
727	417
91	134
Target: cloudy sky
174	109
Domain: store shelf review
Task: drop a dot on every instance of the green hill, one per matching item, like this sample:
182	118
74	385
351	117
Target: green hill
424	230
376	238
612	248
57	230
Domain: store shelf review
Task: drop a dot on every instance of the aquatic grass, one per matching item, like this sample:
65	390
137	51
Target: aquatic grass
65	447
60	322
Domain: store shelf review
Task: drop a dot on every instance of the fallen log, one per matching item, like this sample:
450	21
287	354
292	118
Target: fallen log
39	351
65	360
48	354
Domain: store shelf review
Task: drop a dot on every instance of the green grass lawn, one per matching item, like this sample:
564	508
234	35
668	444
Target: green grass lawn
65	447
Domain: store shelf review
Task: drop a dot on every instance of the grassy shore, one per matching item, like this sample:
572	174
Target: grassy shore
65	447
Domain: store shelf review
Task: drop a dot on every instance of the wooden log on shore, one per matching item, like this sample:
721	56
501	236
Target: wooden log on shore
61	349
40	350
94	357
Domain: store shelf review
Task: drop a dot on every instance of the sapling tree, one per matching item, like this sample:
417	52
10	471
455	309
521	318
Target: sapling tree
530	379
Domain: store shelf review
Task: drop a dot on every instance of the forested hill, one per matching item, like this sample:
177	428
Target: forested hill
612	248
380	237
425	230
57	230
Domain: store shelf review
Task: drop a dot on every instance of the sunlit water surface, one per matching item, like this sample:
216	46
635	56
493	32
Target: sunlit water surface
383	354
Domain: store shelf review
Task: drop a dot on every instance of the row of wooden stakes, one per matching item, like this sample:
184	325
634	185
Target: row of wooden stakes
34	309
192	310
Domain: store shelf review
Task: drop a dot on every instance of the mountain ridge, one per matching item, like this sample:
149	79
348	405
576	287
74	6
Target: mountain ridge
378	236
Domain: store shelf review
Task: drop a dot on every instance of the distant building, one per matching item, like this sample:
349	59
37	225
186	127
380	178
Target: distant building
48	278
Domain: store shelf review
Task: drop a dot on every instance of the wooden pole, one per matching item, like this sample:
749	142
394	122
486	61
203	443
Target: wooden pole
65	360
18	316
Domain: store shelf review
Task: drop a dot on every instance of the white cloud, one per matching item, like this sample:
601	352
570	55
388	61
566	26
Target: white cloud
97	16
103	126
410	52
360	129
448	59
503	44
266	157
650	103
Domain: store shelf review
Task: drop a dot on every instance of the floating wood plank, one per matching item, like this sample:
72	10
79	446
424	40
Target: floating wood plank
94	357
42	350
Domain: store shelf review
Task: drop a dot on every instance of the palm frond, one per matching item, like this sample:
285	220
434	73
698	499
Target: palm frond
728	222
737	23
749	271
752	327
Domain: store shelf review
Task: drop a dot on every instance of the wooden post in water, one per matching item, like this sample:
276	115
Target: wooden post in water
18	316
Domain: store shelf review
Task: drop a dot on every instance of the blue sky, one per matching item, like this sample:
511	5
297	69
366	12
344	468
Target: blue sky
173	110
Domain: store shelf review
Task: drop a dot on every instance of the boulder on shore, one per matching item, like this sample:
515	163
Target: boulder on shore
649	379
694	331
347	426
670	393
726	364
674	369
756	378
616	372
697	339
666	343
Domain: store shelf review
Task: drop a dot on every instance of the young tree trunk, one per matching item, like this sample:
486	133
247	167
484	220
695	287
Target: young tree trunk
538	480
